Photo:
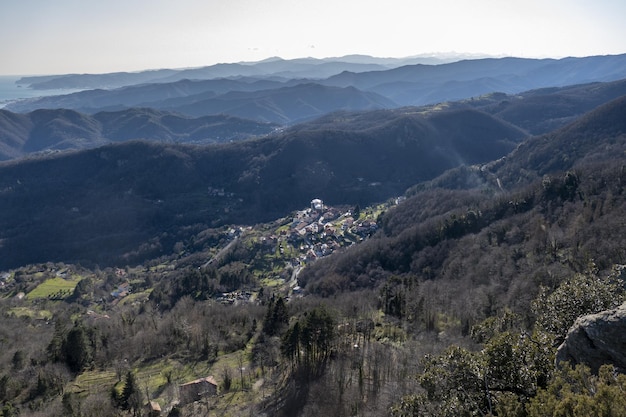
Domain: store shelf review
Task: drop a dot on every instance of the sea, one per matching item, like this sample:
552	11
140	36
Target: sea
10	91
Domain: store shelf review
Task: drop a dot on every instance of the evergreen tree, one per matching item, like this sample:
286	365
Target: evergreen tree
276	317
314	335
76	349
131	398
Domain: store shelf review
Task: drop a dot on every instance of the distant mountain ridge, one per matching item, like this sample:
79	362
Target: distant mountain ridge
287	105
311	68
260	100
424	84
535	112
417	84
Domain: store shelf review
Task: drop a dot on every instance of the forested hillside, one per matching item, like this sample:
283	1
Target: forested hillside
51	131
543	110
483	263
102	206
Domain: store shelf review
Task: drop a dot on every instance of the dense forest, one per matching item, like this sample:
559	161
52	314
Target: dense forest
449	301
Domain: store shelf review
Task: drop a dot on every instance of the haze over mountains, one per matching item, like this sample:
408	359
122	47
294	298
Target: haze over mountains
273	68
405	85
536	112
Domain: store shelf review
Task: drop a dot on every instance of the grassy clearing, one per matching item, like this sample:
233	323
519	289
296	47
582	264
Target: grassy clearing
32	313
159	267
96	381
54	287
139	296
272	282
151	378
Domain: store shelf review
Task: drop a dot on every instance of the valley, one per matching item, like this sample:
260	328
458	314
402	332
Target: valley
352	245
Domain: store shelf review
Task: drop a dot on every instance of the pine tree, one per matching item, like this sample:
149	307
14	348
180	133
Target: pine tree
131	398
276	317
77	350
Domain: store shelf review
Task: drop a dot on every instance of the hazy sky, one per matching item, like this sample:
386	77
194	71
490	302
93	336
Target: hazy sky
95	36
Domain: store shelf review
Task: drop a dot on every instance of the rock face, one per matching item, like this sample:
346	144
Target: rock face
597	339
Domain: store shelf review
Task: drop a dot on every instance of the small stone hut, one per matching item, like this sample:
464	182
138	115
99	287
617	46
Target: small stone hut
153	409
196	390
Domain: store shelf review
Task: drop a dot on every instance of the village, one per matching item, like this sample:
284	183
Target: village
319	230
296	241
293	242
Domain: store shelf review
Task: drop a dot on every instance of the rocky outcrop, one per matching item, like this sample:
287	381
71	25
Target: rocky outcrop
597	339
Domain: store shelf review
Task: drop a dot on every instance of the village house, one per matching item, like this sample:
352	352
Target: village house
312	228
153	409
268	241
196	390
347	223
3	278
122	290
317	204
366	228
310	256
331	214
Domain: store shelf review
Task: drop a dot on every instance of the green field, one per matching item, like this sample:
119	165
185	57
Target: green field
54	287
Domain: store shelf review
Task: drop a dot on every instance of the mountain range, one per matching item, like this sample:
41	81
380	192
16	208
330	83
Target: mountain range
267	97
535	111
274	67
103	202
133	200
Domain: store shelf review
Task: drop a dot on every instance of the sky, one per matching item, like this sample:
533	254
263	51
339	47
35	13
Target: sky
99	36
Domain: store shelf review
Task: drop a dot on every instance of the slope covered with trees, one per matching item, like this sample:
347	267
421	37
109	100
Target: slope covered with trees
48	131
103	205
